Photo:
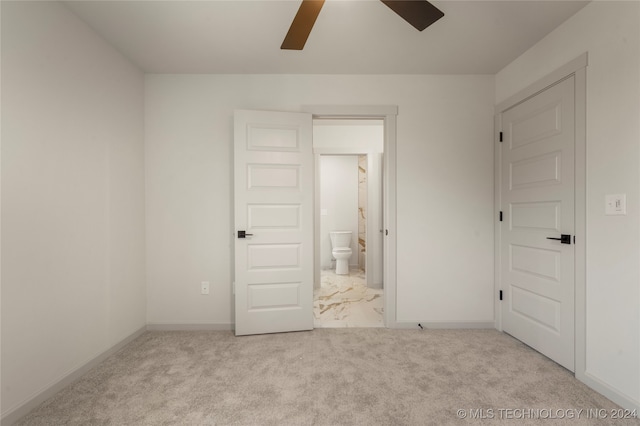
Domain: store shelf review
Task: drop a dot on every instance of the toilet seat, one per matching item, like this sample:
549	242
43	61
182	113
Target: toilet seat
342	250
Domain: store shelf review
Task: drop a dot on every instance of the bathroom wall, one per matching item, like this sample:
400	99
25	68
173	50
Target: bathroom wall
362	211
338	203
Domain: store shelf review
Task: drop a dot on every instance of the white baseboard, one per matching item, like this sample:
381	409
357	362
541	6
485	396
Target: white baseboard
190	327
614	395
23	409
444	324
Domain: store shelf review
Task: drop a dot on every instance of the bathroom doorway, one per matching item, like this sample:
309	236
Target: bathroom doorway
349	157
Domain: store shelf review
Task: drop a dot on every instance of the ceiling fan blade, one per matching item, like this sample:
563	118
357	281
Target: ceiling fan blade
302	24
419	13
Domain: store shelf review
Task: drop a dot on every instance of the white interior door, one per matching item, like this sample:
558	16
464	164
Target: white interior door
273	179
537	200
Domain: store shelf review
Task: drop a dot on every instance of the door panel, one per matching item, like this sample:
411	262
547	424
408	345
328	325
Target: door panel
273	216
537	124
540	310
263	176
273	174
273	257
541	215
536	171
537	193
536	262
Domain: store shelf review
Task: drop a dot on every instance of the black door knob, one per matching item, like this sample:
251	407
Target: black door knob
564	238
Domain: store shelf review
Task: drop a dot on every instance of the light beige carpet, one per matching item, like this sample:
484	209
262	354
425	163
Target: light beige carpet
369	376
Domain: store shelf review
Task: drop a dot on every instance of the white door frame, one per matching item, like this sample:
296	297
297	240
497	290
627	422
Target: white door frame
577	68
388	114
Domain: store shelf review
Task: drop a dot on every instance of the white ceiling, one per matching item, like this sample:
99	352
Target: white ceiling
349	37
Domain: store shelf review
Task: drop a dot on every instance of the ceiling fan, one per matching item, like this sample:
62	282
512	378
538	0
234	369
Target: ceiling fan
419	13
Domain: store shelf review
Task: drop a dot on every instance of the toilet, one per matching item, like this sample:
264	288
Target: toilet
341	250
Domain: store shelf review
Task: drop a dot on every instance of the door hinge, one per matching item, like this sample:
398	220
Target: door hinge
500	136
233	287
500	216
500	294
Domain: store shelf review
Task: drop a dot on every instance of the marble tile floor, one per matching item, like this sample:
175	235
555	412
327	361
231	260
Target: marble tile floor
345	301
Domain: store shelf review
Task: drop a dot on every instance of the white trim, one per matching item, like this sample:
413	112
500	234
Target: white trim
338	150
317	262
14	414
350	111
560	74
580	224
497	199
603	388
388	114
389	245
374	229
445	325
190	327
360	121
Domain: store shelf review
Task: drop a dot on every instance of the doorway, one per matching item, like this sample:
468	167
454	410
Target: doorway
540	240
349	156
273	289
537	193
388	116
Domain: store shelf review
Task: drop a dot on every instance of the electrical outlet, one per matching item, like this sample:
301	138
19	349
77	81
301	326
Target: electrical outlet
204	287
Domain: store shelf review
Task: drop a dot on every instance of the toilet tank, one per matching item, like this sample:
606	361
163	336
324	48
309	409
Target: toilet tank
340	239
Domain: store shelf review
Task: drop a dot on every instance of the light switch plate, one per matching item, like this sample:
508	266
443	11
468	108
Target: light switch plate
615	204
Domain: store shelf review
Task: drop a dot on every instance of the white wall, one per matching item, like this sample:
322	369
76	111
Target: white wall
339	198
72	198
609	32
445	187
